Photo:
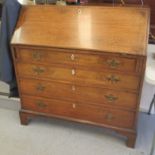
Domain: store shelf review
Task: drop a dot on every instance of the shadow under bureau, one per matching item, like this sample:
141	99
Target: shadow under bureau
84	64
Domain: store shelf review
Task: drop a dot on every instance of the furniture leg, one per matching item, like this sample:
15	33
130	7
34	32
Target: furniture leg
131	138
24	118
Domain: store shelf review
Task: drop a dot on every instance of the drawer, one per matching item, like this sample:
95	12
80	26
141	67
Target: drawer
73	110
107	79
106	97
79	94
45	72
72	57
45	56
84	77
47	89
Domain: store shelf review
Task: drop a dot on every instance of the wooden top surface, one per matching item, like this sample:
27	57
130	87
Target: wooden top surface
100	28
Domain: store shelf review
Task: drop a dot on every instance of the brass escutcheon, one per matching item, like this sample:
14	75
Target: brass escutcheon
74	105
73	88
72	57
73	71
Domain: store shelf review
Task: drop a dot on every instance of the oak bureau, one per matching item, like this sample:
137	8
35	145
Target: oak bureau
82	63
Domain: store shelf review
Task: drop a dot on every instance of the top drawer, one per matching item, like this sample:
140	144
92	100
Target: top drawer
83	58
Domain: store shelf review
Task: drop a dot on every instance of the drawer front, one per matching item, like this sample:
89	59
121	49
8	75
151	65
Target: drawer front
47	89
45	72
79	94
84	77
109	61
110	98
90	113
109	79
45	56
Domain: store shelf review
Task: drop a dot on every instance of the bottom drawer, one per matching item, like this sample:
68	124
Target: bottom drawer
92	113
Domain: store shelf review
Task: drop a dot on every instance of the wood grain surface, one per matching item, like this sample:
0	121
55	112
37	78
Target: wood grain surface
119	29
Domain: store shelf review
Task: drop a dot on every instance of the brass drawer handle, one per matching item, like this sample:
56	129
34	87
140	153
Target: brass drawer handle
113	78
41	104
36	56
38	70
111	98
113	63
109	117
40	88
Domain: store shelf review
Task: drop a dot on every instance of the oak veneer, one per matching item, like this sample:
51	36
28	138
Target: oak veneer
89	72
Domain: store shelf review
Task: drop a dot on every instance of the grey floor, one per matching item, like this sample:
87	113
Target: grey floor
146	131
58	137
